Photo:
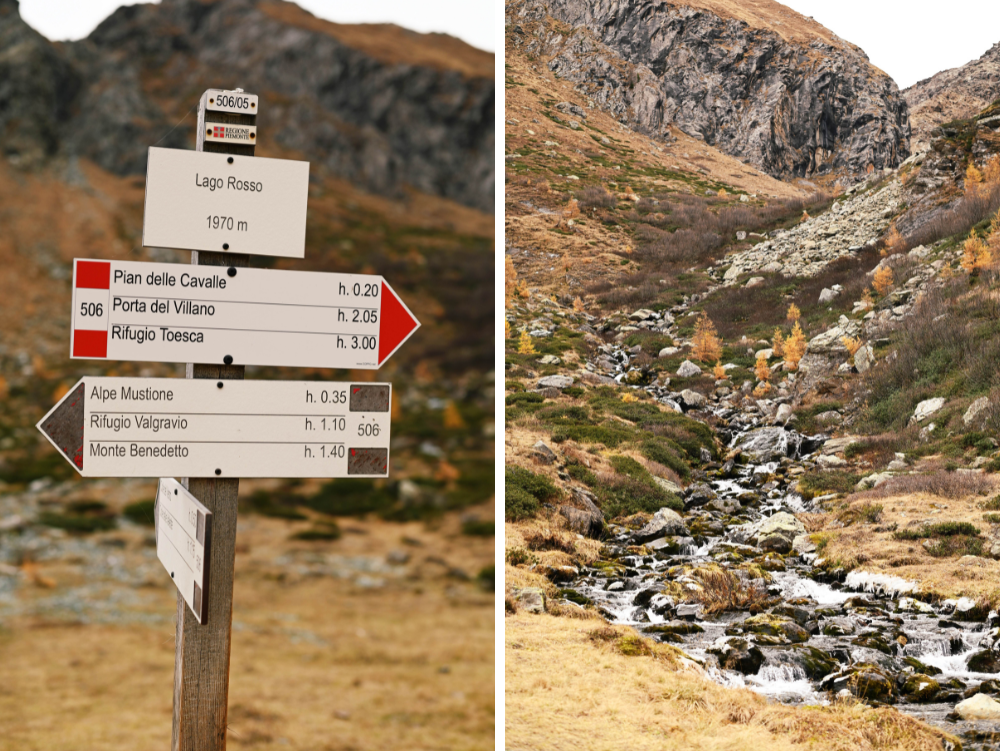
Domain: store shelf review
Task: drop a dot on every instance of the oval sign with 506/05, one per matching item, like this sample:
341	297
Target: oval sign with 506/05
196	200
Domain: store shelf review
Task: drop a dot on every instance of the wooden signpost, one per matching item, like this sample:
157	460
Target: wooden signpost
223	204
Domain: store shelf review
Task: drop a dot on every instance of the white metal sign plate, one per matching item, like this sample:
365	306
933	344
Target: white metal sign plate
237	102
225	133
155	427
167	312
183	543
197	200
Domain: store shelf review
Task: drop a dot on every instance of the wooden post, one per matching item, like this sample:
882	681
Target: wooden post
201	656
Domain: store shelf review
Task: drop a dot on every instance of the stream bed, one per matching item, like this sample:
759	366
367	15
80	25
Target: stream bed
812	635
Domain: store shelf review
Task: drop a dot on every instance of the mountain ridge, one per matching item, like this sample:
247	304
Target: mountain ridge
383	114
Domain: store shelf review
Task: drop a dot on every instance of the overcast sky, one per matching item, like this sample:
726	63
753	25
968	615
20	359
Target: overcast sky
910	40
471	20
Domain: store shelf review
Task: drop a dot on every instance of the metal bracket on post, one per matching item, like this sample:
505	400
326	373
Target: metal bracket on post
226	124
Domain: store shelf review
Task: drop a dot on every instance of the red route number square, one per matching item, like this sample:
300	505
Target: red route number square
90	343
93	275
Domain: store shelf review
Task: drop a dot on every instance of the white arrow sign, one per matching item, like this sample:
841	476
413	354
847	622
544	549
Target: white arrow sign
153	427
196	200
184	543
165	312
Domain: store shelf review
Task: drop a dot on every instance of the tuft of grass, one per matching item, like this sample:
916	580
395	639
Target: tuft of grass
722	591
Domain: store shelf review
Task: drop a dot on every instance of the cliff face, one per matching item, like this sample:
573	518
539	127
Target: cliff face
792	105
376	105
954	94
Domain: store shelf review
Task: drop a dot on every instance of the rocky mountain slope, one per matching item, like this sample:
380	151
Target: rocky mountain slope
757	82
377	105
954	94
397	127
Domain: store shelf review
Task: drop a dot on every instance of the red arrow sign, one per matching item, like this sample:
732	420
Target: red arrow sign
167	312
396	326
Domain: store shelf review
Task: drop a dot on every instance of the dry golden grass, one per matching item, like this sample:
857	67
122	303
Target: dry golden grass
871	547
568	687
318	664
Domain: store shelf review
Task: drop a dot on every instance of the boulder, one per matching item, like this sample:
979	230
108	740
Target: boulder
979	707
688	370
738	655
698	495
827	296
870	683
754	281
548	360
777	532
927	408
864	358
724	505
975	409
664	522
670	487
920	688
837	627
542	453
873	481
771	629
830	417
784	414
530	600
668	351
555	382
768	444
803	545
984	661
641	315
692	399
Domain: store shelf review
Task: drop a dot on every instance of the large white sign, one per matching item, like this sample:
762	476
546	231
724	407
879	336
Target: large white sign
154	427
196	200
183	543
166	312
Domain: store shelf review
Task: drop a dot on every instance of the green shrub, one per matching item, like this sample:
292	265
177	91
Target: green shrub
665	454
479	528
141	512
519	504
941	529
523	397
486	578
266	503
325	531
524	492
580	473
350	497
991	518
624	496
956	545
520	557
77	523
612	437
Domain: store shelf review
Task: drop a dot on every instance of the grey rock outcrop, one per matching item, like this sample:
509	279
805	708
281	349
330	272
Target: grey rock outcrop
790	107
359	115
